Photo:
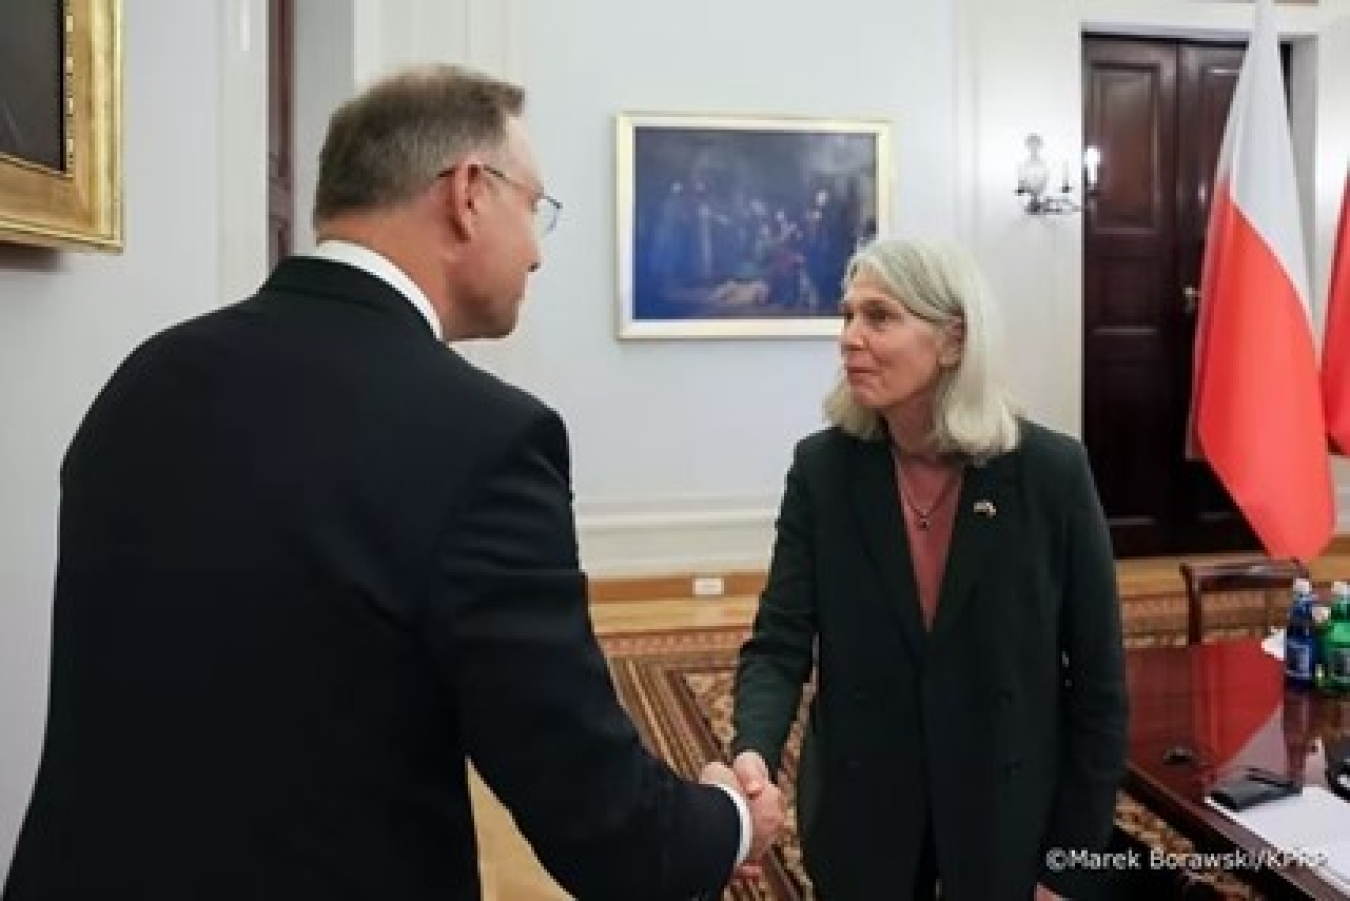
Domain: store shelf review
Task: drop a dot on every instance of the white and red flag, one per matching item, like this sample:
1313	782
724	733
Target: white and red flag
1257	403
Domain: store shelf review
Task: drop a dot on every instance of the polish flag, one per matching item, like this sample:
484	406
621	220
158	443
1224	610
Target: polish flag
1336	343
1257	400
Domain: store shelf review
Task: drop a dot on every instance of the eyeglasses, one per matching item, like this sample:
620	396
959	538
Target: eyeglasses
546	208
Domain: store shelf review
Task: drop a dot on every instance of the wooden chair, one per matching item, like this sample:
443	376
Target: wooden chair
1272	579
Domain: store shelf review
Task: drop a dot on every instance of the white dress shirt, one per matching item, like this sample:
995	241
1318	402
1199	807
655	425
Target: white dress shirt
747	828
381	267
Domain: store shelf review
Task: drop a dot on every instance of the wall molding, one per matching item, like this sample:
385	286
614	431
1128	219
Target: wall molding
1136	577
242	168
659	536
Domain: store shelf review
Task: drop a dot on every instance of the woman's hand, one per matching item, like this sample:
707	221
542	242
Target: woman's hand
766	803
753	772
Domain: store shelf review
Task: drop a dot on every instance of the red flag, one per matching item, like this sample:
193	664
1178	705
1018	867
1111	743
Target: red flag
1336	342
1258	407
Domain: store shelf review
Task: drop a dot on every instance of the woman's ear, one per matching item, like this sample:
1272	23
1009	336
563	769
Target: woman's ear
953	343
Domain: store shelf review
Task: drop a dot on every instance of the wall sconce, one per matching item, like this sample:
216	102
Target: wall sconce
1033	179
1092	161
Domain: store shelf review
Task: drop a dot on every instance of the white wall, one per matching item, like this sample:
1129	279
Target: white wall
239	228
703	429
680	447
67	319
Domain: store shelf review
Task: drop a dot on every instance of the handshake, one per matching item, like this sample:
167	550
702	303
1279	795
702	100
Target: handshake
748	776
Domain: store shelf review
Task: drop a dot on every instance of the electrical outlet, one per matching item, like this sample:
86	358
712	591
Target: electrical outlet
709	586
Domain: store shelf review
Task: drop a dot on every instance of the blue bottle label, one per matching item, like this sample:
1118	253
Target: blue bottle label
1298	659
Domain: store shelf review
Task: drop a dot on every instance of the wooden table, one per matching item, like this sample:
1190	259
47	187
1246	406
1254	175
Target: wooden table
1226	704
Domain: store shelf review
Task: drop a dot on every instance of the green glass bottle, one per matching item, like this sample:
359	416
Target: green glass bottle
1336	641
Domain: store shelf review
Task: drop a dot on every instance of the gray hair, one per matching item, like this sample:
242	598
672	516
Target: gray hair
391	141
939	283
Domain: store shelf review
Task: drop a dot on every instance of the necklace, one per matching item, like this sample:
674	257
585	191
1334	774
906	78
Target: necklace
923	517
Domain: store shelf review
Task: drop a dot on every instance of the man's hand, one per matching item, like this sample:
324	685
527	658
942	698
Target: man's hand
1044	894
764	799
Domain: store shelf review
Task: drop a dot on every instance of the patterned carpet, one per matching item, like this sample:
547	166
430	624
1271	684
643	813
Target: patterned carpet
677	687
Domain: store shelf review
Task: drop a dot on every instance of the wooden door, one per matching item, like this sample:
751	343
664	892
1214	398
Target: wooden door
1156	111
280	90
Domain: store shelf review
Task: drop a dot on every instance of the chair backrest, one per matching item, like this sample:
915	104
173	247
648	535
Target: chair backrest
1267	577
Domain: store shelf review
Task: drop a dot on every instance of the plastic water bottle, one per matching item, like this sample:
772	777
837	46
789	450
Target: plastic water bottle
1300	638
1336	641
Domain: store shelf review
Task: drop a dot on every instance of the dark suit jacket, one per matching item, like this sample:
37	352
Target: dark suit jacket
310	560
1005	726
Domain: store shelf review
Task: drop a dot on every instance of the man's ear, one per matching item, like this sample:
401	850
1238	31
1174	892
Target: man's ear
459	197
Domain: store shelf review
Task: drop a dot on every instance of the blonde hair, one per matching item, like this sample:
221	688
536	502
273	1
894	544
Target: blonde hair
939	283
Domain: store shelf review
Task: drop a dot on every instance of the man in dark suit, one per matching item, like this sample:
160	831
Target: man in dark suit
311	560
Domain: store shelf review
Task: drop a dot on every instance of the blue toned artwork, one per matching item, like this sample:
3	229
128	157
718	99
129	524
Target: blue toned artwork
742	227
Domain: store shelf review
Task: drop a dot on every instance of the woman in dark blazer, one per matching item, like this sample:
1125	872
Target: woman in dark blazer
943	570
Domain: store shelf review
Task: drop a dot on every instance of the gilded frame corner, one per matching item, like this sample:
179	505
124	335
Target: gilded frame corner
78	206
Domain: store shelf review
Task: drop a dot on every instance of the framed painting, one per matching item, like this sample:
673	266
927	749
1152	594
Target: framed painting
740	227
61	123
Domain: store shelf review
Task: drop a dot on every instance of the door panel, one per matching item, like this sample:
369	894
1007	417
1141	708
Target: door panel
1156	109
1130	115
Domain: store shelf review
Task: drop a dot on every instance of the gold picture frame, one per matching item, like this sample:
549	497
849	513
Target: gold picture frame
70	197
740	226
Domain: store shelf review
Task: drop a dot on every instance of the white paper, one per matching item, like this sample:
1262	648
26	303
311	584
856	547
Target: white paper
1314	825
1337	866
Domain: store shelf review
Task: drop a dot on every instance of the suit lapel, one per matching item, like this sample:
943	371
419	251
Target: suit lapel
985	518
876	503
